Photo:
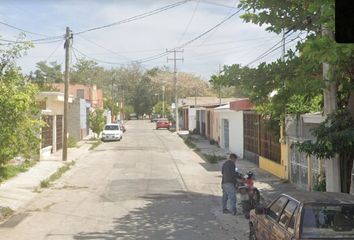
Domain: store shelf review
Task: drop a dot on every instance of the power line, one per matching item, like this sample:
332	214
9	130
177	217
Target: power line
60	44
137	17
189	22
35	41
95	59
100	46
271	50
22	30
208	31
206	39
163	54
218	4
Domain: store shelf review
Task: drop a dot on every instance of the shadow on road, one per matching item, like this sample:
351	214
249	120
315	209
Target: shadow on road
178	215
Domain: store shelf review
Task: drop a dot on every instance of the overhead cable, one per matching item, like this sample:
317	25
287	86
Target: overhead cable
22	30
137	17
269	51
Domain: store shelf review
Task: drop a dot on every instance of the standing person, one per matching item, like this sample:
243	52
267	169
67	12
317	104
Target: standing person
228	183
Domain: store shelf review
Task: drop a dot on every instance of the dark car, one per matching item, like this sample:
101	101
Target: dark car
304	215
163	123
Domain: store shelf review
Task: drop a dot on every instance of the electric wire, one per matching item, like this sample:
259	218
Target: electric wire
50	55
271	50
100	46
208	31
163	54
207	38
189	22
95	59
22	30
137	17
218	4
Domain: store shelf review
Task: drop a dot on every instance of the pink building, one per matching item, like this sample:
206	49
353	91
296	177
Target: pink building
88	92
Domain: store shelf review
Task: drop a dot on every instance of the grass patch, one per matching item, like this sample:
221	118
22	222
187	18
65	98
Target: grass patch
189	142
10	171
95	144
212	158
55	176
72	143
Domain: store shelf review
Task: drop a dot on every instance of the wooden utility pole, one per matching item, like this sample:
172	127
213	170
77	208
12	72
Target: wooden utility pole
68	37
174	51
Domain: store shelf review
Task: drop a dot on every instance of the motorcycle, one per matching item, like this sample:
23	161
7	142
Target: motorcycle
248	194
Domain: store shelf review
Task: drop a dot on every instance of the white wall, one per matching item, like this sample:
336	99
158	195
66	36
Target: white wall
192	121
235	131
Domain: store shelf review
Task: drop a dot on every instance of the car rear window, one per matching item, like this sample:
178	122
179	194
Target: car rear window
111	127
328	221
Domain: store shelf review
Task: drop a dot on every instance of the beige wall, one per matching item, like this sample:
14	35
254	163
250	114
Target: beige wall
215	121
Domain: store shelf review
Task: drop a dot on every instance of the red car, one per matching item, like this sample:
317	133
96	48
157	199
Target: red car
163	123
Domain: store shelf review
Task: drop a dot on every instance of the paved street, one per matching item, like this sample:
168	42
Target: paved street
148	186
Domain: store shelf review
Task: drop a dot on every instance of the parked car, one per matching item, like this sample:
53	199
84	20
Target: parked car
112	132
163	123
133	116
304	215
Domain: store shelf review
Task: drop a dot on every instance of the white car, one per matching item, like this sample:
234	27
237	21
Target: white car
112	132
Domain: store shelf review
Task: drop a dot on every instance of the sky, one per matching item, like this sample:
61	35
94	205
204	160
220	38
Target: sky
233	42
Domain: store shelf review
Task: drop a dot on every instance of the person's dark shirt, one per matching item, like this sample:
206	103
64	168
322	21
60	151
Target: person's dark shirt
228	172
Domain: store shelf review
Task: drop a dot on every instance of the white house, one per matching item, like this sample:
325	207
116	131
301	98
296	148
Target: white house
231	129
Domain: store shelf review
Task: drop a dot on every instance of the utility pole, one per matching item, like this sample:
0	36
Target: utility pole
219	86
174	51
67	45
163	98
333	182
112	104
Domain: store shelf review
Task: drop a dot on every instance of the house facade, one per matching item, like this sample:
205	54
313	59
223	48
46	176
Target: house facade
52	112
90	93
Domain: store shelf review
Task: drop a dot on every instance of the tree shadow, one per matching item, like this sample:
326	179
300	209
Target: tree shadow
178	215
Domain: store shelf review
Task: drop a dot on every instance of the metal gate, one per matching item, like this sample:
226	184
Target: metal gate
299	168
59	132
225	123
47	131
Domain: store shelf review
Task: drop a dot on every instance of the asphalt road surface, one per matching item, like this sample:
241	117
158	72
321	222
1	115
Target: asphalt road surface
150	185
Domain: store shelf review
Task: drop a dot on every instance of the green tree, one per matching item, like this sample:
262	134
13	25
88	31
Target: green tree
162	108
19	113
97	121
314	16
46	75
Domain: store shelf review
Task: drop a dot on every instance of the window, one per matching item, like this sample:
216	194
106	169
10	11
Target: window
328	221
111	127
80	93
287	214
277	207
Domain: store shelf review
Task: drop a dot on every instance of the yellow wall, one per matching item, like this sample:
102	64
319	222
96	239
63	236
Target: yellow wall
284	158
272	167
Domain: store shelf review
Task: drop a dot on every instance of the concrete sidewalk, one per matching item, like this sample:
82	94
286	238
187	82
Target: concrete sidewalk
16	192
269	185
